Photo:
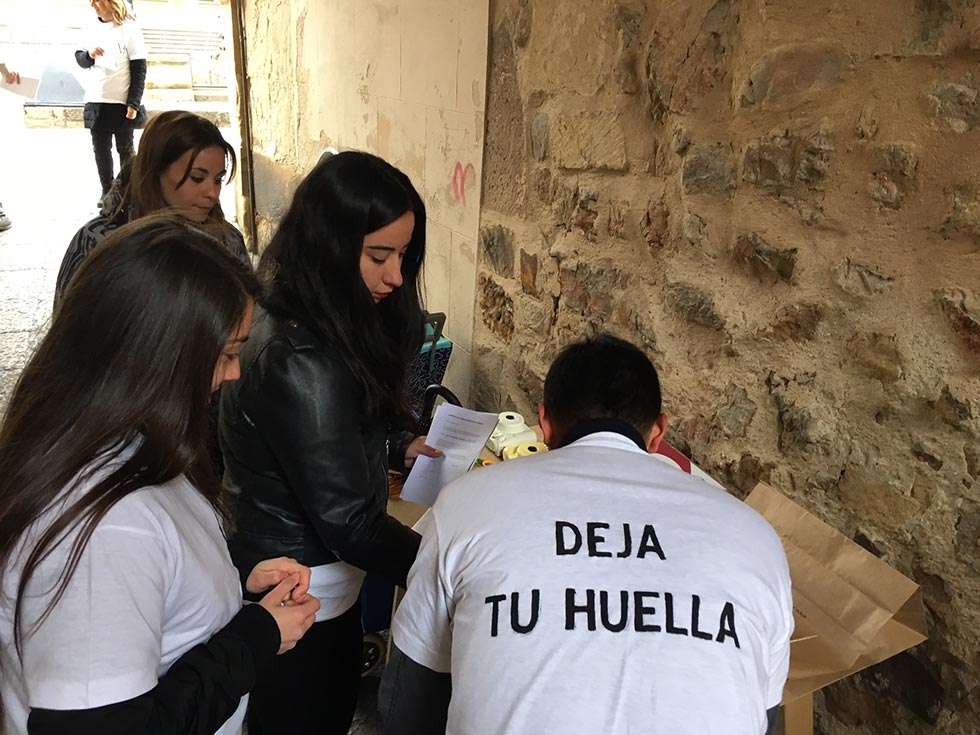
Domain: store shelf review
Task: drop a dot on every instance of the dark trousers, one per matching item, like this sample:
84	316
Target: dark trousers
102	145
313	687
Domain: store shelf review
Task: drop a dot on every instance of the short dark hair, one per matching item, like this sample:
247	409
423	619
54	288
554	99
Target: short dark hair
602	377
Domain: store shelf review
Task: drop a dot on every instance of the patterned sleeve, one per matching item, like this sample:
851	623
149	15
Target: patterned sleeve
83	243
236	245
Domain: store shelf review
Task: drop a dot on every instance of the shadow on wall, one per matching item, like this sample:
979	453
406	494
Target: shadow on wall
275	183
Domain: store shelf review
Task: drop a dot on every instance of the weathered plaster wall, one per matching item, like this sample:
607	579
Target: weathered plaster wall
781	202
404	79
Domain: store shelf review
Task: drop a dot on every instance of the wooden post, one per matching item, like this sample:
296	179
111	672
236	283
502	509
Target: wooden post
246	167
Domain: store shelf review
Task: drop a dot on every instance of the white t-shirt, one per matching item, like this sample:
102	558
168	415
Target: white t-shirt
108	79
526	567
154	581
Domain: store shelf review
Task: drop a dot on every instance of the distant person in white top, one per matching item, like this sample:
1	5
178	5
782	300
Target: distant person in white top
114	61
10	77
594	589
120	609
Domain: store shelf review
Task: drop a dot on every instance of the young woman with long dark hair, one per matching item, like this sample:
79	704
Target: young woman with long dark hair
182	163
120	610
311	428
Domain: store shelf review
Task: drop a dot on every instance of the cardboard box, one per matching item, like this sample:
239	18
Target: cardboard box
852	610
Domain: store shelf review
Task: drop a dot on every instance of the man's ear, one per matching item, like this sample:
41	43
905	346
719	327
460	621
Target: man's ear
656	434
547	428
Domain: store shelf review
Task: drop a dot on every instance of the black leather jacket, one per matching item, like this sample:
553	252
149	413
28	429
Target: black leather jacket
308	465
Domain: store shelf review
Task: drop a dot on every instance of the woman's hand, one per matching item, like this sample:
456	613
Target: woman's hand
267	574
96	52
418	447
131	112
293	619
11	77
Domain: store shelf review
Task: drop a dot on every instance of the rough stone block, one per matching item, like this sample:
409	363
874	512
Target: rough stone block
770	161
504	145
877	355
496	308
628	36
807	424
957	105
693	229
694	306
927	453
877	498
529	273
743	474
767	263
680	140
539	135
532	319
968	535
591	290
867	124
657	92
783	160
954	410
589	139
895	172
796	322
735	415
971	453
964	213
885	191
497	246
654	224
784	75
577	209
860	279
963	313
709	169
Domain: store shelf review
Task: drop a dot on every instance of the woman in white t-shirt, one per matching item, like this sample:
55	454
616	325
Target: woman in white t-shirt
120	609
114	61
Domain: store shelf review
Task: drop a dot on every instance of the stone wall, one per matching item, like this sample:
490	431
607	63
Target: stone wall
404	79
780	201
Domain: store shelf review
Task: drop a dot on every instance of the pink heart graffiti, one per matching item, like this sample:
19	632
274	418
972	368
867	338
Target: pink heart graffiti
461	177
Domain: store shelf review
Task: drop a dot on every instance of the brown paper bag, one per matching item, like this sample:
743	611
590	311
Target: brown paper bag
852	610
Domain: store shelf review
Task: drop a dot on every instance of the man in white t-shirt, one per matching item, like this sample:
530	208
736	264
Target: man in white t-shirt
597	588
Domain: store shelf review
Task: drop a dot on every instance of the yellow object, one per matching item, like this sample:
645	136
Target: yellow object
526	449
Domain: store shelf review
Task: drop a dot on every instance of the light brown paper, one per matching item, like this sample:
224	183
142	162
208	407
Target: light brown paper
798	716
852	610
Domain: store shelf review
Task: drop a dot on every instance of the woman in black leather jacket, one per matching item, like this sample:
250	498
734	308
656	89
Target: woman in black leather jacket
309	431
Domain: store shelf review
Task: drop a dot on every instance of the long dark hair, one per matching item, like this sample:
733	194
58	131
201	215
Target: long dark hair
166	138
127	363
313	272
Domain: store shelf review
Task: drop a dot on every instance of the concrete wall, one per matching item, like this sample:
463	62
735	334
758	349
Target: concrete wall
404	79
779	201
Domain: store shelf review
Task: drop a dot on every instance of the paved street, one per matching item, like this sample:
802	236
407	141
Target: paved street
49	188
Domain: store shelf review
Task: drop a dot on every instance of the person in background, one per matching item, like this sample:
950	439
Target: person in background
10	77
121	611
596	588
310	430
115	64
182	163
